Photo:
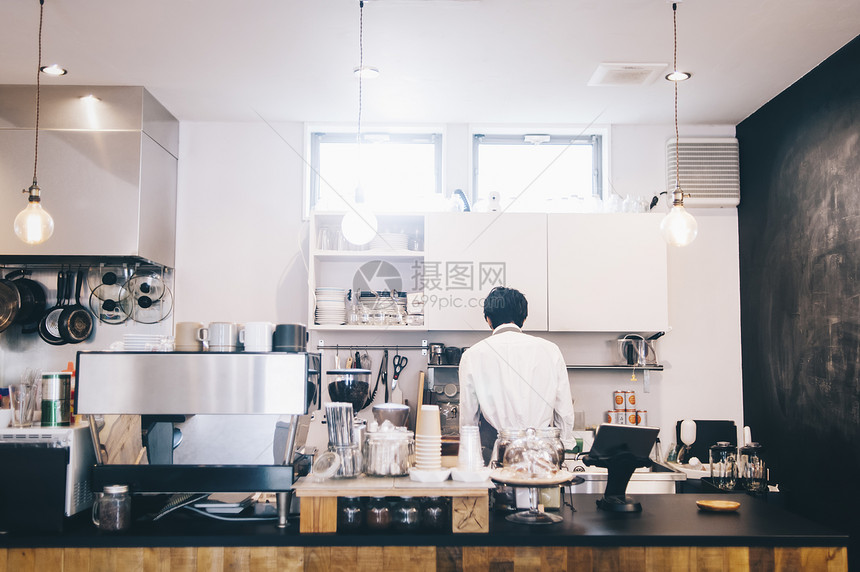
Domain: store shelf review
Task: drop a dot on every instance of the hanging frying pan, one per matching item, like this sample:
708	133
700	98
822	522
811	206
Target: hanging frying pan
49	328
107	304
76	322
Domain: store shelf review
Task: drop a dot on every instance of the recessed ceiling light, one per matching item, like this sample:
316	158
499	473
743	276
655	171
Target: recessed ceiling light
366	72
53	69
90	98
679	76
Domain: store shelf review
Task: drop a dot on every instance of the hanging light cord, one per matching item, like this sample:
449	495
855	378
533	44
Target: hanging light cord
38	87
675	83
360	60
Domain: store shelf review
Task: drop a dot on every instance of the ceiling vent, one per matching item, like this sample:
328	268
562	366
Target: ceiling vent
710	171
626	74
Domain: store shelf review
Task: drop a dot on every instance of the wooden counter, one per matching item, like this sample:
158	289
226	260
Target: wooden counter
670	534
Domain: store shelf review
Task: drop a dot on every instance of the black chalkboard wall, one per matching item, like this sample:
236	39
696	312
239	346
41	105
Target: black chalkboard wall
799	221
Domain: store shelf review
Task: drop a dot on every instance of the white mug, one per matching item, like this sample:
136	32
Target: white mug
222	336
257	336
186	338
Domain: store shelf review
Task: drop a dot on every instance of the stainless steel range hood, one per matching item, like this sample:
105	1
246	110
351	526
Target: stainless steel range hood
107	170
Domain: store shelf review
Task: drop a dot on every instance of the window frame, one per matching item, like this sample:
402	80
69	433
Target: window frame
595	140
317	137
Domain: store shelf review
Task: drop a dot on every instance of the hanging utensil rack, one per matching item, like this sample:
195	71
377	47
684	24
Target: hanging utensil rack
352	347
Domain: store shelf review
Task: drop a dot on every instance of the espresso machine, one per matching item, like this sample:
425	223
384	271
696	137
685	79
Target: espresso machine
170	390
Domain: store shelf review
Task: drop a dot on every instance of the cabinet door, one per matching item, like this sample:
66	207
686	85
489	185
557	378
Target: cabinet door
607	272
467	254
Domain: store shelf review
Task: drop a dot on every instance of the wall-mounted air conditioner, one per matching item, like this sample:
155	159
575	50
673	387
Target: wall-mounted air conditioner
709	171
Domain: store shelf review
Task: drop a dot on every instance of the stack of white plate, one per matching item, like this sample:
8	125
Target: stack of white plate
331	306
390	241
144	342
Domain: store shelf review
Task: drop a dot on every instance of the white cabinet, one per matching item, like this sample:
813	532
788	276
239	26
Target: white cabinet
607	272
467	254
392	262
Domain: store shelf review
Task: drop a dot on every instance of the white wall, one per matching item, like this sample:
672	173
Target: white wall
242	249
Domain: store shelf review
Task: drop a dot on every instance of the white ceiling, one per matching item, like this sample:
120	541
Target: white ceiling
442	61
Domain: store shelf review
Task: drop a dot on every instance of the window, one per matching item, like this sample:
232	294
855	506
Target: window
537	173
398	172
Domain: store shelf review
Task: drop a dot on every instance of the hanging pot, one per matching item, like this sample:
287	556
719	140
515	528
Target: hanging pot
76	322
10	303
49	325
33	300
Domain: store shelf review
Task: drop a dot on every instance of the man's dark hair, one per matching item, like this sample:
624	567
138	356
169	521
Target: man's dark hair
504	306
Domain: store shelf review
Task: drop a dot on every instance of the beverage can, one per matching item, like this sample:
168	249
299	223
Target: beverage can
630	417
619	399
641	417
630	403
615	417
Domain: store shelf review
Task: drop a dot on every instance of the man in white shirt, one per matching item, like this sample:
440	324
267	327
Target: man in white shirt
513	380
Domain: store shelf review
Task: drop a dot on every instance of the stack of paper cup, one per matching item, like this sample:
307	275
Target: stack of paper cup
428	439
469	457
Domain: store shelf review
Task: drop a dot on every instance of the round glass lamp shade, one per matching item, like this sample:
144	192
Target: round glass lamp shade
359	225
679	228
34	225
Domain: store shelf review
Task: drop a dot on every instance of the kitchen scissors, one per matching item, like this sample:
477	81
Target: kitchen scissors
399	363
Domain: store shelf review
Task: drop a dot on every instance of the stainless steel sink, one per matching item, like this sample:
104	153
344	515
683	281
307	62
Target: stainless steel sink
657	479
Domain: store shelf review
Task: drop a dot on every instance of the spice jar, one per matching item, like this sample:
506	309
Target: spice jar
351	514
378	514
434	514
723	465
552	437
406	514
112	511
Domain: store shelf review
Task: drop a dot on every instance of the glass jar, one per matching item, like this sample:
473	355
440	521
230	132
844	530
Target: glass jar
406	515
752	470
434	514
112	511
378	514
387	453
351	514
552	437
505	438
531	456
723	465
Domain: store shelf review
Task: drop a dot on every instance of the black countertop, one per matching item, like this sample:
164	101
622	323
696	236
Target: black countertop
666	520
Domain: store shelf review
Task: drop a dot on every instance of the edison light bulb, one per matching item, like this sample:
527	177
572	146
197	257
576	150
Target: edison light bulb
679	228
359	225
34	225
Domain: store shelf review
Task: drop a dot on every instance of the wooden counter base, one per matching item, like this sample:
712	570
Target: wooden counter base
418	558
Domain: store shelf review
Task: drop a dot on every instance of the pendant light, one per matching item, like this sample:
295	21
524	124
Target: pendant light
678	228
359	224
34	225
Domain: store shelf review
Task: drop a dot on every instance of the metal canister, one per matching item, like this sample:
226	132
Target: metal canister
56	398
619	400
631	400
630	417
616	417
641	417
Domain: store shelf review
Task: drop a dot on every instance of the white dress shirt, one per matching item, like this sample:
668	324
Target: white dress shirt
516	381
